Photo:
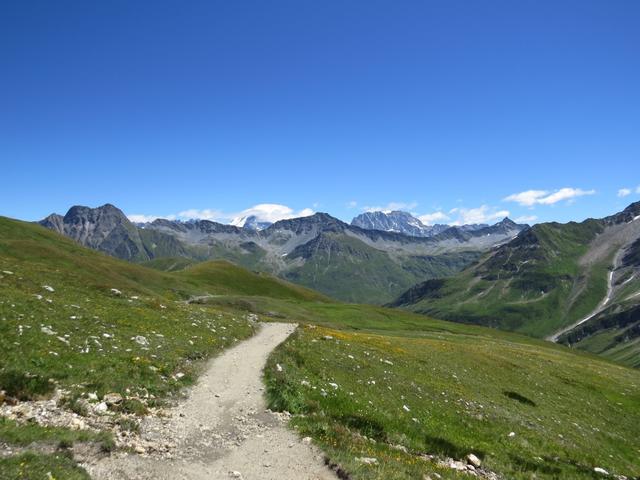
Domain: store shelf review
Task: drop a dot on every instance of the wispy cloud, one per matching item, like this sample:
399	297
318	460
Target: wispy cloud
482	214
530	198
352	204
141	218
624	192
435	217
270	212
390	207
206	214
264	212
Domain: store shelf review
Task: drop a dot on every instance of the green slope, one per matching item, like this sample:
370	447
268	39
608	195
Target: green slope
347	269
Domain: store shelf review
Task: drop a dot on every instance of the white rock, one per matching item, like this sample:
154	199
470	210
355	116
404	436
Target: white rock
473	460
7	272
47	330
334	385
512	434
601	471
367	460
112	398
405	408
92	396
115	291
140	340
278	367
48	288
306	440
101	408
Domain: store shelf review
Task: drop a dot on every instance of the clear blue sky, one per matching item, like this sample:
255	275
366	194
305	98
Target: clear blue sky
163	107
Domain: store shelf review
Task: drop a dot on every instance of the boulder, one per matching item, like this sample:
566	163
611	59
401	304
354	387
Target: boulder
473	460
112	399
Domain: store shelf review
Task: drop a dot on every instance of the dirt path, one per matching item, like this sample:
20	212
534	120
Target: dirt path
223	429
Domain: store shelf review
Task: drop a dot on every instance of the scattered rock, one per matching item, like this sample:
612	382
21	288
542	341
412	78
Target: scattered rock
601	471
48	288
367	460
115	291
456	465
306	440
101	408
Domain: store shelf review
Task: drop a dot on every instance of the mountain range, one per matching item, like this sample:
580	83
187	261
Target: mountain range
344	261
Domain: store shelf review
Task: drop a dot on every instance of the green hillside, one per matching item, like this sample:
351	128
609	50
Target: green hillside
414	397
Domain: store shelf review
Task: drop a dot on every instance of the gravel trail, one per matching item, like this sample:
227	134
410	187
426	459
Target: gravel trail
223	429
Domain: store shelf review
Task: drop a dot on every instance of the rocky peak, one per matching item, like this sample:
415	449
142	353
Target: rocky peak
104	228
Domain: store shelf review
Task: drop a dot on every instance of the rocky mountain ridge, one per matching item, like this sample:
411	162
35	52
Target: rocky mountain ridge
319	251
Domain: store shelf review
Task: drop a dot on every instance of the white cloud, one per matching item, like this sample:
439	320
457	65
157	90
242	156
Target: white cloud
526	219
431	218
530	198
390	207
482	214
141	218
352	204
623	192
270	212
265	212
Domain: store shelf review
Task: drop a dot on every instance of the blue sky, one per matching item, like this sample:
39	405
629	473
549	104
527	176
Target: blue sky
448	109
